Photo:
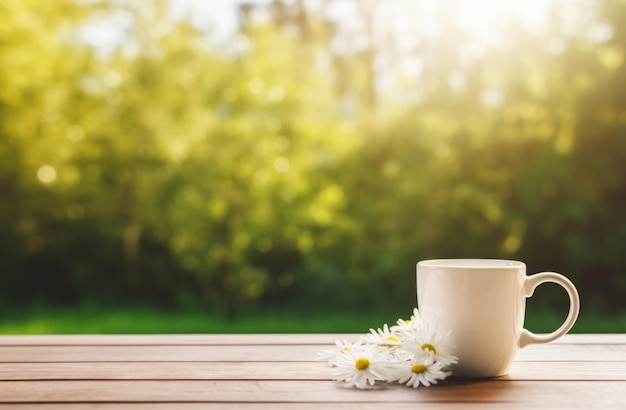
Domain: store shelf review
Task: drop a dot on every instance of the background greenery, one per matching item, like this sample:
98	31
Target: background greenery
289	177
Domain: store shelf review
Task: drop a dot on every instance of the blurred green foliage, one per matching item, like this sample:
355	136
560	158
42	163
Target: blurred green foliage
277	170
87	319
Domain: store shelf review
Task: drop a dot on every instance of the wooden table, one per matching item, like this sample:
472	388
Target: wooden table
280	372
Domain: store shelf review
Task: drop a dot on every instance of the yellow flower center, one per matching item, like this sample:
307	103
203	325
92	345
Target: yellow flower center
362	363
418	368
428	346
393	339
345	349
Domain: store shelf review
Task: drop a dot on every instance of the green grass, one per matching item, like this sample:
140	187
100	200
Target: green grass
87	320
544	321
150	320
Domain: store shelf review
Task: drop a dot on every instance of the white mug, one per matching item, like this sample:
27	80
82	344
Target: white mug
482	303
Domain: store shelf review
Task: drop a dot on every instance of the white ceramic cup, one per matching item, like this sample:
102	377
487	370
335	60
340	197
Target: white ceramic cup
482	303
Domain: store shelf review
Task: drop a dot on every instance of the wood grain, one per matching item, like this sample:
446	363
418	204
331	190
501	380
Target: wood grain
543	370
242	339
276	406
494	391
178	339
280	372
258	353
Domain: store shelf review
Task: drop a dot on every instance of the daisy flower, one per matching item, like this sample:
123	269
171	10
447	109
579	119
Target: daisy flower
408	329
388	343
342	346
416	317
429	340
421	371
361	367
413	352
382	337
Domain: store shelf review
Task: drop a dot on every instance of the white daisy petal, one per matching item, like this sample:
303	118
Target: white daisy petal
341	346
361	367
429	339
422	372
412	352
382	337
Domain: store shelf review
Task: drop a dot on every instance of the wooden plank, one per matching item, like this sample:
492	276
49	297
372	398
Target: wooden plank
274	406
158	353
242	339
575	371
166	371
277	406
559	393
277	372
176	339
573	352
543	370
592	338
260	353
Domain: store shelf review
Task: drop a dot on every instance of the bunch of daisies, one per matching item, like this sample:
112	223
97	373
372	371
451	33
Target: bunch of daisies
413	352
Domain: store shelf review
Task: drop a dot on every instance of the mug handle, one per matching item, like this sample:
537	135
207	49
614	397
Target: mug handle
530	283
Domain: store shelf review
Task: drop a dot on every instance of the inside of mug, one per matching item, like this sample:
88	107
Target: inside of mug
471	263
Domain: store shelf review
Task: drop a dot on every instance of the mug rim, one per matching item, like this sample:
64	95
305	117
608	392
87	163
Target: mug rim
470	263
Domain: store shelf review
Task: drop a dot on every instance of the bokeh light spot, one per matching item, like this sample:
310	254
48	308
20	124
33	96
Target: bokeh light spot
47	174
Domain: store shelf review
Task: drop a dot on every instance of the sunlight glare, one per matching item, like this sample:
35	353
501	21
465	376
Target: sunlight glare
484	17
